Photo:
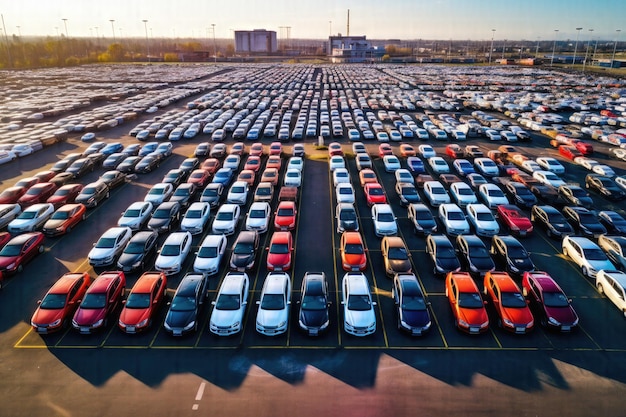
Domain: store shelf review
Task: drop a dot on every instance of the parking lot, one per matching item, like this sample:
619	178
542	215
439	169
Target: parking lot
523	362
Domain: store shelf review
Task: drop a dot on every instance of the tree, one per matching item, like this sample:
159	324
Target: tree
170	57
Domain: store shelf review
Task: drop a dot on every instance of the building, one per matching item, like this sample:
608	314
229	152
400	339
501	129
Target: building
352	49
257	41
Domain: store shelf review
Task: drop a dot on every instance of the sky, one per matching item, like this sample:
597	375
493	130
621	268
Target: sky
317	19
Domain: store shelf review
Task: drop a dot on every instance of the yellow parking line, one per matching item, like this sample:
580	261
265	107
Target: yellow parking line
334	251
495	337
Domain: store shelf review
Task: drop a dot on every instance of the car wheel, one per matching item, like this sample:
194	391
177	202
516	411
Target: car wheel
84	216
565	252
40	249
544	321
584	271
20	268
549	232
68	229
600	289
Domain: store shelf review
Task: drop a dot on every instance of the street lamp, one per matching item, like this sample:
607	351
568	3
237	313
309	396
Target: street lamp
576	46
65	24
503	46
145	27
493	32
556	33
615	46
214	44
587	49
113	28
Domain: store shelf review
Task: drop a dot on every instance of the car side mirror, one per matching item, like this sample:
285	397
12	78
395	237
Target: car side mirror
527	301
38	301
524	292
213	303
169	303
569	301
374	303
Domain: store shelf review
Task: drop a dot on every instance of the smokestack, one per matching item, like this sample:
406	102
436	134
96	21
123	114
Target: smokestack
348	27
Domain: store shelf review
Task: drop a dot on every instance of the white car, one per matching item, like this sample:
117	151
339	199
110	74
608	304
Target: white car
273	313
363	161
344	193
426	151
159	193
463	167
482	219
226	219
293	178
230	304
586	254
404	175
31	219
492	195
340	175
486	166
621	182
8	212
136	215
530	166
196	218
548	178
295	162
421	134
453	220
391	163
7	156
508	136
336	161
439	165
210	254
238	193
109	246
604	170
612	284
586	162
384	220
551	164
492	134
258	217
435	193
173	253
359	317
22	150
232	162
462	194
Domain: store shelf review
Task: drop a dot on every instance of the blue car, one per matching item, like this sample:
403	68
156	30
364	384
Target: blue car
415	165
223	176
463	167
112	148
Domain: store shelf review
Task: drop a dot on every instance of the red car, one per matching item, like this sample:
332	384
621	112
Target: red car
274	161
247	176
466	303
552	306
38	193
270	175
583	147
256	149
279	252
45	176
276	148
335	149
511	307
19	250
353	252
102	299
407	150
199	177
514	219
569	152
238	148
253	163
59	304
454	151
285	217
4	238
384	149
211	165
27	182
374	193
12	194
143	301
64	219
64	195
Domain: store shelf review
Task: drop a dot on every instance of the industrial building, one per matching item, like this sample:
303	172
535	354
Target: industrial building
257	41
352	49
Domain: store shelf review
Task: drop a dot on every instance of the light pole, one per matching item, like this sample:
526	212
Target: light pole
537	47
587	49
503	46
556	33
19	31
214	44
493	32
65	24
145	27
576	45
615	46
97	34
113	28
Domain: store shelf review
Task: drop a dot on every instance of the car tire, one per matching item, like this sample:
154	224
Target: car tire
565	252
40	249
68	229
584	271
20	268
544	322
600	289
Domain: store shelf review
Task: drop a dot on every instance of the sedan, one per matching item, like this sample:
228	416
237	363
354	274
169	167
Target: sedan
492	195
226	219
585	221
482	220
435	193
293	178
415	165
515	220
173	253
196	218
438	165
586	254
244	251
548	178
426	151
474	254
159	193
64	219
510	252
80	167
613	285
466	303
422	219
604	186
551	164
109	246
358	306
183	314
443	255
31	219
136	215
384	220
212	194
210	254
613	222
352	251
462	194
12	194
147	164
463	167
520	194
285	216
391	163
18	251
511	308
93	194
453	220
280	251
230	304
552	220
102	299
199	177
396	256
407	193
138	252
258	217
38	193
128	165
57	307
486	166
8	212
411	305
314	317
551	305
274	304
143	302
165	217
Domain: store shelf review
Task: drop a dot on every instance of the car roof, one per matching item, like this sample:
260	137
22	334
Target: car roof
504	281
104	281
618	276
65	283
175	238
508	240
583	242
232	283
440	240
274	282
544	281
464	281
146	282
472	240
357	283
188	284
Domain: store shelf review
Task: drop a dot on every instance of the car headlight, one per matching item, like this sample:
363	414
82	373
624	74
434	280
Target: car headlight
189	326
485	324
235	324
142	323
98	323
55	323
463	323
282	323
553	321
11	266
371	325
508	322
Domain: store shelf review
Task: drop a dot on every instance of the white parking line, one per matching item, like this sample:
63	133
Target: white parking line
199	395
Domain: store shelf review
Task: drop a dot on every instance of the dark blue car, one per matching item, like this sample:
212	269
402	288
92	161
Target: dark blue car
411	305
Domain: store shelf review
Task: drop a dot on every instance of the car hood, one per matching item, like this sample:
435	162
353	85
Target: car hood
448	264
522	223
283	221
416	318
97	253
128	259
191	223
19	223
562	227
224	318
129	221
156	223
206	263
473	316
133	316
360	318
168	261
427	224
242	260
400	265
179	319
313	318
490	225
88	316
523	264
47	316
278	259
519	316
482	264
272	317
7	260
223	223
257	223
53	224
564	315
599	265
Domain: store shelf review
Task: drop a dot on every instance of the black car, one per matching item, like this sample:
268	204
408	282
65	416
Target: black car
182	315
184	194
132	149
604	186
313	317
62	178
407	193
80	167
613	222
128	165
520	194
175	176
422	219
202	149
615	249
97	158
552	220
92	194
218	151
584	221
147	164
244	250
165	217
346	218
139	251
576	195
113	178
113	160
510	252
474	254
61	165
212	194
411	305
189	165
548	194
442	254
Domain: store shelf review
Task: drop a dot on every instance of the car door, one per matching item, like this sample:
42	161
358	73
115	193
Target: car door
614	292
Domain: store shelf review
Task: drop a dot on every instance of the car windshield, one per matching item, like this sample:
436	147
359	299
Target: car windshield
210	192
182	192
438	190
495	193
314	302
138	300
105	243
555	299
398	253
94	301
285	212
227	302
413	303
11	250
257	214
34	191
513	300
207	252
372	190
224	216
578	192
28	214
132	213
170	250
60	215
522	191
157	191
485	217
279	248
464	191
238	189
594	255
161	214
478	252
446	253
359	302
273	302
385	217
517	252
183	303
587	218
53	301
470	300
134	248
243	248
408	191
354	249
347	215
193	214
455	215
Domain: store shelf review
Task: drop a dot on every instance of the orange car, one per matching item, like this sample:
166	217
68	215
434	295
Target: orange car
253	163
145	297
256	149
353	252
512	308
248	176
64	219
58	306
367	175
407	150
211	165
274	161
270	175
374	193
276	148
467	305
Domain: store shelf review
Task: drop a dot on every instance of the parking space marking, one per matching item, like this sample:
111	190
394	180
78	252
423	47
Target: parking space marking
18	344
335	271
